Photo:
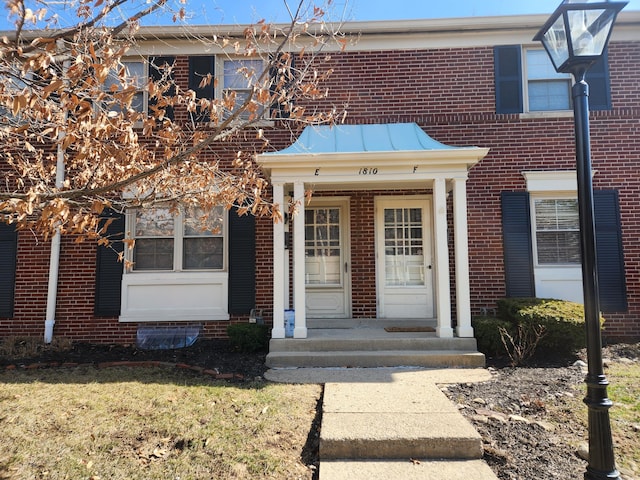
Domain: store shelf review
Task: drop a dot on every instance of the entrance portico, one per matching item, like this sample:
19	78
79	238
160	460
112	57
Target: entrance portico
383	157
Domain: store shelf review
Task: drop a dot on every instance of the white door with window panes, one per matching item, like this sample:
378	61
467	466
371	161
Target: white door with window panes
327	260
403	257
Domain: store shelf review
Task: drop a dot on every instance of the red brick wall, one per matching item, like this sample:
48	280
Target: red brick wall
450	94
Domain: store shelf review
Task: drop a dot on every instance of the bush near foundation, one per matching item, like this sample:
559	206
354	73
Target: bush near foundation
563	321
248	337
556	325
487	333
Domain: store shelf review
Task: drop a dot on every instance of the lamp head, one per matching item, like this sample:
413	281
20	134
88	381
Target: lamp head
577	33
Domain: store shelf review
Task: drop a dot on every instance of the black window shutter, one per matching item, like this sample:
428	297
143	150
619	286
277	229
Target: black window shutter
109	269
8	252
199	67
516	238
242	263
156	73
611	275
281	108
508	78
598	80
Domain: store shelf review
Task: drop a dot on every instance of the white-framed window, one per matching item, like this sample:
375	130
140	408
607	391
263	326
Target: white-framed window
545	89
186	239
556	230
237	77
135	74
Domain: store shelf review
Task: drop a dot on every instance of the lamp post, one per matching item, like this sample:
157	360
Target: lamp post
575	36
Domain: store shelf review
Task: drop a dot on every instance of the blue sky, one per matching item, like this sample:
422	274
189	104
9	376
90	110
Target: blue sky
239	11
248	11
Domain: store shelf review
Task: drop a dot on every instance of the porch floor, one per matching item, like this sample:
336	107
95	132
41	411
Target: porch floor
366	343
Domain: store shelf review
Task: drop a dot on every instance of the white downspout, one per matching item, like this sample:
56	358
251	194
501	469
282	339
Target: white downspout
54	260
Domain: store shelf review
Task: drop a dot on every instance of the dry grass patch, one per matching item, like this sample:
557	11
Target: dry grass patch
158	423
624	392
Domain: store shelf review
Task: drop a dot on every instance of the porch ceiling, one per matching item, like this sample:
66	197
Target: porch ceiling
399	153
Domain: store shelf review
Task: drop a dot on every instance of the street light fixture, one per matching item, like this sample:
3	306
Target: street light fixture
575	36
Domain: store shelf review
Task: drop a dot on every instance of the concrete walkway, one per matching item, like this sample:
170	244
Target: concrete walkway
393	423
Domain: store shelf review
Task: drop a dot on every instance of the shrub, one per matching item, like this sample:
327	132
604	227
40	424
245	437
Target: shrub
487	333
248	337
563	321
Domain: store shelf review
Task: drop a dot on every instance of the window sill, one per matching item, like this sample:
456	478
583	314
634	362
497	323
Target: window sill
547	114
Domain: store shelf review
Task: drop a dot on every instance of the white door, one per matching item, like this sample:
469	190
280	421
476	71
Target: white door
326	259
403	257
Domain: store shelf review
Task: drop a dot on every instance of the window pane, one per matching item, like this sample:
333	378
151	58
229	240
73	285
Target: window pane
240	74
196	223
203	253
404	260
153	254
134	75
549	95
558	247
154	222
539	66
322	246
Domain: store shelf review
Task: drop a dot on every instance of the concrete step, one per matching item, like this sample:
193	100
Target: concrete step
394	421
407	469
376	340
375	358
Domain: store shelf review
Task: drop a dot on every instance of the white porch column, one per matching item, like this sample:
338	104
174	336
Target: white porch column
463	295
278	266
443	289
299	299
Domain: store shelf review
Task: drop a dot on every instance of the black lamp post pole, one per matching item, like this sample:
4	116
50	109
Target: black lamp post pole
601	458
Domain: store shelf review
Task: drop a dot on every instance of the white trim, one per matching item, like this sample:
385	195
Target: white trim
175	296
461	248
551	181
299	295
442	286
279	276
380	35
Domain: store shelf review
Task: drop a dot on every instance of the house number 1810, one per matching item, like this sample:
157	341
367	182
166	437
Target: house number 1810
368	171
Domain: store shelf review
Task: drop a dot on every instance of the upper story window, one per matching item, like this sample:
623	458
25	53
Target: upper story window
557	231
128	82
546	89
239	77
188	239
525	81
224	77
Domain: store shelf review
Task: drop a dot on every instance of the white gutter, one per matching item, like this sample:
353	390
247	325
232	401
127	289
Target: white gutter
54	259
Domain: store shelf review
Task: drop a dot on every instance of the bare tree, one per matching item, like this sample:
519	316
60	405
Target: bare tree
76	140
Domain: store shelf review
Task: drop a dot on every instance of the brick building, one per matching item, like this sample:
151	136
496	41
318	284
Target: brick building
451	185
